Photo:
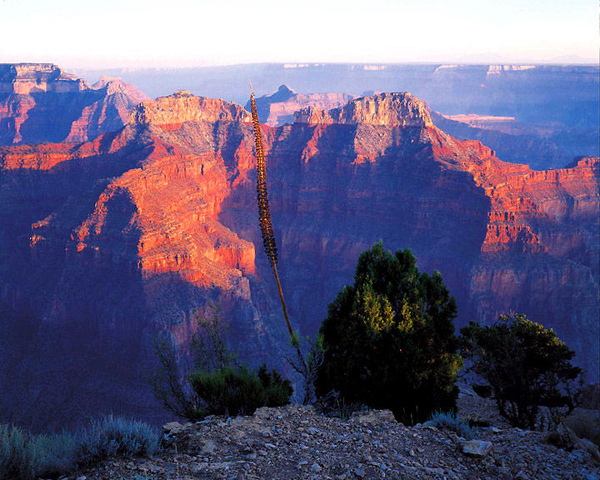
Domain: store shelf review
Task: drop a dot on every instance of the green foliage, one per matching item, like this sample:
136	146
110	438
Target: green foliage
14	454
277	391
451	421
526	365
111	436
238	391
25	457
389	339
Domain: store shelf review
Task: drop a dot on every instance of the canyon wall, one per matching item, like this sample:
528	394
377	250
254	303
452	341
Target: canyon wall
108	244
41	103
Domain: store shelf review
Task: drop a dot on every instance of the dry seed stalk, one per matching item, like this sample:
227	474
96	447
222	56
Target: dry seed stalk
264	218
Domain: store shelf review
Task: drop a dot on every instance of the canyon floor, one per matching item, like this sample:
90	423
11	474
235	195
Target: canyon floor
297	442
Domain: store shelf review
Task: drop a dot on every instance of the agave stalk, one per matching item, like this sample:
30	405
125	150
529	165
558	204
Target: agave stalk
264	218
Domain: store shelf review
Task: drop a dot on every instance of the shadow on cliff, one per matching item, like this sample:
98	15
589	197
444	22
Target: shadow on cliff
72	321
53	115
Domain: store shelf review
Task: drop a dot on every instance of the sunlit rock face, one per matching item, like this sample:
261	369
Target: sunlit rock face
384	109
39	102
107	244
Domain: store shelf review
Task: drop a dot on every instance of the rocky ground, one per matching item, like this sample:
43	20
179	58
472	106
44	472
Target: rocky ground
296	442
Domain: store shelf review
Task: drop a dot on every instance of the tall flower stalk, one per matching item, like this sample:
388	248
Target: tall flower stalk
266	226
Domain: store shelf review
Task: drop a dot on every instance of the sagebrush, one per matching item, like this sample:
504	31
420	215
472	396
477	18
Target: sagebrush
111	436
451	421
24	456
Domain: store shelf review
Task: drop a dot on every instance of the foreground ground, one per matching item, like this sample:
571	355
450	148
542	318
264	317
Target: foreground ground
296	442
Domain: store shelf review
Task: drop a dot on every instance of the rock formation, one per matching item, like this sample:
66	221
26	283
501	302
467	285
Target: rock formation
385	109
278	108
41	103
106	244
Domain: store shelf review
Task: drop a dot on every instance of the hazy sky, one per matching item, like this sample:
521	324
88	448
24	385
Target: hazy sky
170	33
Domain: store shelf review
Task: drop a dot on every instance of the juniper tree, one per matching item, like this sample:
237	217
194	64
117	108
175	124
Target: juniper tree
389	339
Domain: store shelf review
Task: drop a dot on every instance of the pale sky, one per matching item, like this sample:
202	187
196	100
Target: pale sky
183	33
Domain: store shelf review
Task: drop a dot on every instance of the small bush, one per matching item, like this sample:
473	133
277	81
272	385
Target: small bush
218	383
526	365
25	456
53	455
112	436
238	391
335	405
451	421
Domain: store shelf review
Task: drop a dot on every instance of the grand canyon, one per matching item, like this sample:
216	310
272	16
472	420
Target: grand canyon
122	217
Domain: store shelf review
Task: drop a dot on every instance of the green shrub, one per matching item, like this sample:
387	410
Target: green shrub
277	391
25	456
389	339
210	352
238	391
111	436
451	421
526	365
